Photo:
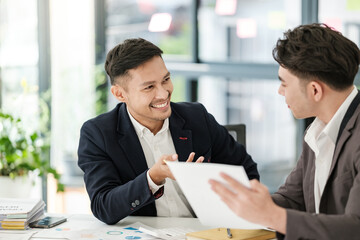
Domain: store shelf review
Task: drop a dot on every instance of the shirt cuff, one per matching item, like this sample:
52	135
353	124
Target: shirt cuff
153	186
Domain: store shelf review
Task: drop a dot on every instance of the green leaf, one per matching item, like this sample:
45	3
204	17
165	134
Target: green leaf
22	152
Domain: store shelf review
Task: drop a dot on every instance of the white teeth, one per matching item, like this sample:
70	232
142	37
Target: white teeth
160	105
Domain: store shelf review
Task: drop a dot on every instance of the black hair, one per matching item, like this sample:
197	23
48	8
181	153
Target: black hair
316	50
129	55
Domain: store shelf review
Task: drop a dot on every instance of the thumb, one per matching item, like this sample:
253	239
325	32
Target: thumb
256	185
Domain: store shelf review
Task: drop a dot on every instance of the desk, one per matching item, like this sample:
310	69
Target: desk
84	221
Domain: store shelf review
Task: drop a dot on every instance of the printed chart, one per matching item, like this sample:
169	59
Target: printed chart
118	233
96	231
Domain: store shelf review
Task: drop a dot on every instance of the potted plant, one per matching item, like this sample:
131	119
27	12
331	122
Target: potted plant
22	152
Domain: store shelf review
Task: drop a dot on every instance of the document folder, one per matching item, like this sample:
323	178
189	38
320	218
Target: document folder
193	179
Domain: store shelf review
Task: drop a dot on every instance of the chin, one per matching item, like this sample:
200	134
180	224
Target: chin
297	116
162	116
167	114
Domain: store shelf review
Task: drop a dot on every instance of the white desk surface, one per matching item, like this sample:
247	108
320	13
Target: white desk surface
84	221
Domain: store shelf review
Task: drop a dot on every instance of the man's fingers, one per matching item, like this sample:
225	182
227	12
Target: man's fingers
234	184
174	157
200	159
171	176
255	183
191	157
257	186
165	158
221	189
225	194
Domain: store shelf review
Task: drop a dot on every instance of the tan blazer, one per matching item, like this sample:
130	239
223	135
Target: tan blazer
339	216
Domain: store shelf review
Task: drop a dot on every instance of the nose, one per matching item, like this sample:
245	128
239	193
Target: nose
162	93
281	91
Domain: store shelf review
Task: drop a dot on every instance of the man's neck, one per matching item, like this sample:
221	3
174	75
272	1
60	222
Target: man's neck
153	126
157	128
331	103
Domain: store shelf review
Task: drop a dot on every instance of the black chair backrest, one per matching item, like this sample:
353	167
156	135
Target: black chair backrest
238	131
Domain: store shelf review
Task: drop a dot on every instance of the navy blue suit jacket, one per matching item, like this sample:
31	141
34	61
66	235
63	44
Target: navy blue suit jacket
111	156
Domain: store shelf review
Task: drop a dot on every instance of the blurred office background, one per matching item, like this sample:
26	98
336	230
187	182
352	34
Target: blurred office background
219	53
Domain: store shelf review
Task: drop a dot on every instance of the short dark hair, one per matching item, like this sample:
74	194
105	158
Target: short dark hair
129	55
316	50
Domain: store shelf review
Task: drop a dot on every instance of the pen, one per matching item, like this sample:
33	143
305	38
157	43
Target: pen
229	233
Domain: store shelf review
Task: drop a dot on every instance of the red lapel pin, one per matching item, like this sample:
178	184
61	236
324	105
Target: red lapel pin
183	138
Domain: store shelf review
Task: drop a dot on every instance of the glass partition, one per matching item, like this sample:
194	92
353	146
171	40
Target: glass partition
240	30
19	60
165	23
271	130
344	16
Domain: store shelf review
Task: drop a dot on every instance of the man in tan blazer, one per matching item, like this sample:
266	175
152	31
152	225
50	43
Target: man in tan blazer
321	197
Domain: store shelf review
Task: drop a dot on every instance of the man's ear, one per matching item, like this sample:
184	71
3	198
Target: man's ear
118	92
315	90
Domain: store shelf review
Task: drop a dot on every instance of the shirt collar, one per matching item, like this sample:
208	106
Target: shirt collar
140	129
331	129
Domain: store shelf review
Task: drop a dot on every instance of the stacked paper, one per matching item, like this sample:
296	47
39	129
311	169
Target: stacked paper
17	213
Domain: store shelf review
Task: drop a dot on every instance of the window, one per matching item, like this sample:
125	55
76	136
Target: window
73	82
228	59
219	52
344	16
165	23
240	30
19	60
240	35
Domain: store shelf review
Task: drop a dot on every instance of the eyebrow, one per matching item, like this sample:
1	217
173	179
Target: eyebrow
167	75
152	82
282	80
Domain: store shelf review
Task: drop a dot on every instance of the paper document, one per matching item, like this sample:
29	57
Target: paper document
193	179
102	232
18	235
174	233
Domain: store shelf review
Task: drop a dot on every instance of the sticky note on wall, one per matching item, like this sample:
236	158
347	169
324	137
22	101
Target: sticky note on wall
225	7
353	5
160	22
335	23
246	28
276	20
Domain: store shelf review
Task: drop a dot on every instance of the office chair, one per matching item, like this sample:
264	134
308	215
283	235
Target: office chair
238	131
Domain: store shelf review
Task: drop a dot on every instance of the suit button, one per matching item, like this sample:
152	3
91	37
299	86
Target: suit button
133	204
137	202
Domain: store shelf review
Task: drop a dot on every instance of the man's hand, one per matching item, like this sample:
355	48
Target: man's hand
160	170
191	158
253	204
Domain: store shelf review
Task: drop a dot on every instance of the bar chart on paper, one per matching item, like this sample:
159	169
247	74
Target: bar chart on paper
130	232
104	232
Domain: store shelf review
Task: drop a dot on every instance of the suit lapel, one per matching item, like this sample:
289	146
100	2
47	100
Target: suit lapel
311	186
129	142
182	138
338	149
345	135
345	132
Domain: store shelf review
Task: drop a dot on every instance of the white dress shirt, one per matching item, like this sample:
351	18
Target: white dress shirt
173	202
321	138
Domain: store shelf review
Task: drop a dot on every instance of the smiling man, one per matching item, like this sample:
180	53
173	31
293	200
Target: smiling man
320	198
121	152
